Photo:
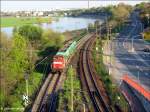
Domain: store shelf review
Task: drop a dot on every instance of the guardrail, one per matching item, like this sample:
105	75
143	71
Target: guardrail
136	86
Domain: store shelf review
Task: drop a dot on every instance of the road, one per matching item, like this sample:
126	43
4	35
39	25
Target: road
129	57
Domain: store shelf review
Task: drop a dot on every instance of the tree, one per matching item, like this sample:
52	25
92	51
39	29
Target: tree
39	20
50	38
30	32
14	60
120	12
96	24
18	58
5	46
90	27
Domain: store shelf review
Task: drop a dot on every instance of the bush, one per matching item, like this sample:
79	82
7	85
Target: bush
30	32
50	38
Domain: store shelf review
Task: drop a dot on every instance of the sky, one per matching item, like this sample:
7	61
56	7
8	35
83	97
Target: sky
52	5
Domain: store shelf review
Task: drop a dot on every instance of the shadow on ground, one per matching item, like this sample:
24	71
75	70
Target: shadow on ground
43	64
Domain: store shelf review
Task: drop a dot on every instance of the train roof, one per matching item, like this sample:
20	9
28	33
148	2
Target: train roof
67	47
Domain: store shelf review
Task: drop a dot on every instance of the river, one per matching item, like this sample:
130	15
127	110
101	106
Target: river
62	25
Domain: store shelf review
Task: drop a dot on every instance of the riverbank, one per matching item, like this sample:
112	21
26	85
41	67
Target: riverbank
58	24
91	16
14	21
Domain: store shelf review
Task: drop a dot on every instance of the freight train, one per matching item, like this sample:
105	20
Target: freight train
61	58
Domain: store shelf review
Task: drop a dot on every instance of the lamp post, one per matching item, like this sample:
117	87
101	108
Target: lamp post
141	27
138	73
132	48
88	4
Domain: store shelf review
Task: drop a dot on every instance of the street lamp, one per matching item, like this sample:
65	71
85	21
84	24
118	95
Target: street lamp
141	27
132	49
138	73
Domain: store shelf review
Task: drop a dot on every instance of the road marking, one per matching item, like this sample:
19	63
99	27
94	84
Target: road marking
146	74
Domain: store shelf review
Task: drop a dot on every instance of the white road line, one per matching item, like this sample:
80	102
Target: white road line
146	74
129	59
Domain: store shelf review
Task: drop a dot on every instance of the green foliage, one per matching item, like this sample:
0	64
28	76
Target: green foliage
18	59
13	21
14	101
141	5
2	98
119	14
91	27
50	38
66	97
144	13
147	35
34	81
15	62
112	90
30	32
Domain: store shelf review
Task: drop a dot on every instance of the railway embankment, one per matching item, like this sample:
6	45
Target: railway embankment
71	96
118	101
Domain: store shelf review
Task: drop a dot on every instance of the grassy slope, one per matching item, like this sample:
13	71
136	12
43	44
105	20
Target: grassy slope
13	21
112	89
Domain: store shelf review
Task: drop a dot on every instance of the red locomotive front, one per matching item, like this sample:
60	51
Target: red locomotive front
58	63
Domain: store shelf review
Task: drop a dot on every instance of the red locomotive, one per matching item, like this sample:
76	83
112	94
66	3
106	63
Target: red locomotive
61	58
58	63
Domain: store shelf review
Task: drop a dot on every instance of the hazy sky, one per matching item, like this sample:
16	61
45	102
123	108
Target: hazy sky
49	5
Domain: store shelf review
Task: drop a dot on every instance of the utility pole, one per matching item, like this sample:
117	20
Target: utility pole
71	91
132	49
88	4
110	43
87	27
138	76
100	30
96	31
107	29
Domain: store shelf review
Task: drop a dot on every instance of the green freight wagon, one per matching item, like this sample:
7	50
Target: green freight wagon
68	51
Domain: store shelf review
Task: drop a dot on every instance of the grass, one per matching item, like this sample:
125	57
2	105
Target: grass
15	98
64	102
116	97
13	21
146	36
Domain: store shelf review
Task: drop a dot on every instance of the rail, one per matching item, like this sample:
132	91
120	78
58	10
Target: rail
89	79
48	91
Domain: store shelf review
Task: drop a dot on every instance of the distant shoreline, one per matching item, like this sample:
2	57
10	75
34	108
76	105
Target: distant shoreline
18	21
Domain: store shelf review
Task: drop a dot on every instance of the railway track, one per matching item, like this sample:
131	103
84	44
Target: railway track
47	97
50	95
90	79
43	101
